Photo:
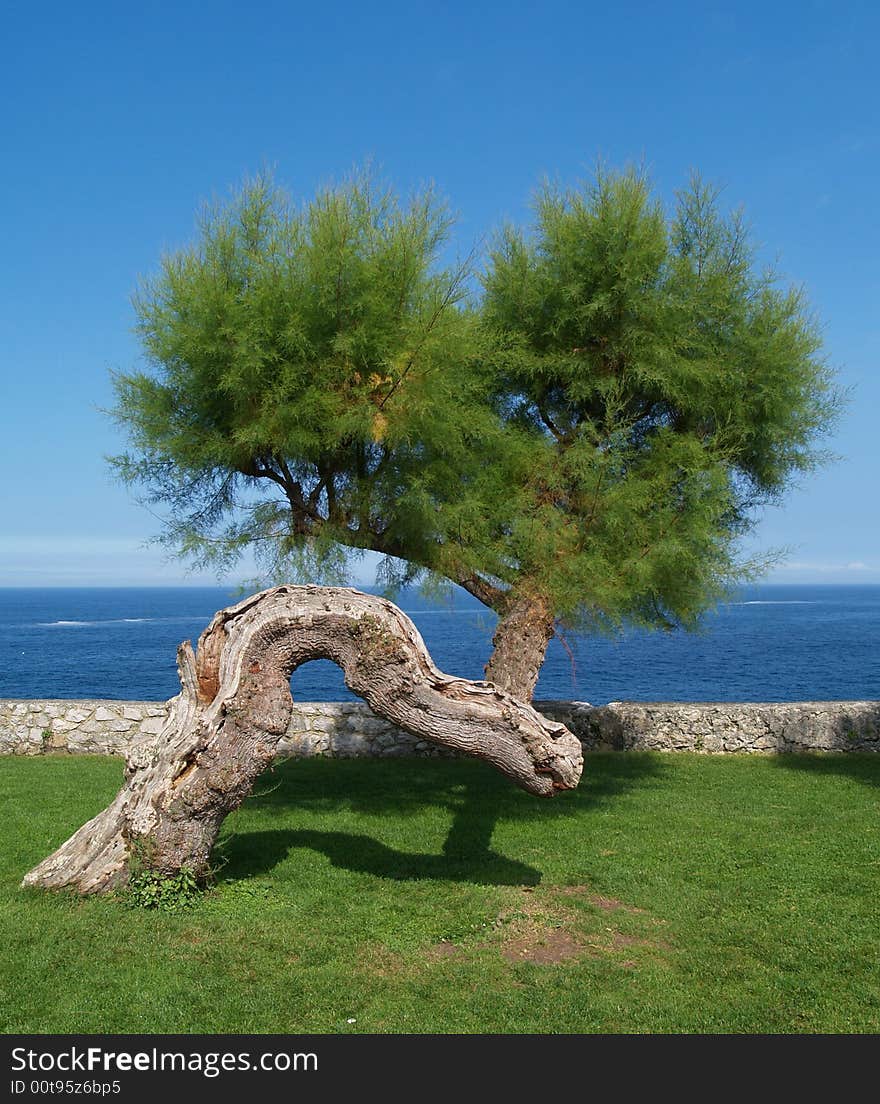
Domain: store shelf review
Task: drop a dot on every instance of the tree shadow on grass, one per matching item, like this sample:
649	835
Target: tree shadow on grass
861	767
259	852
477	796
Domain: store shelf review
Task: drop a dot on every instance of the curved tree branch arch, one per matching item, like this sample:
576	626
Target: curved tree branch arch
235	705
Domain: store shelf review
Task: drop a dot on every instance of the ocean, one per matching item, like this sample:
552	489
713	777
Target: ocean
774	643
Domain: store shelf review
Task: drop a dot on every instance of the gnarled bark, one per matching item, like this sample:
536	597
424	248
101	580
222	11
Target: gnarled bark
235	705
524	630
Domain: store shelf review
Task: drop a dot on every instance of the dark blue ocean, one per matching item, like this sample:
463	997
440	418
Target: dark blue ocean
774	643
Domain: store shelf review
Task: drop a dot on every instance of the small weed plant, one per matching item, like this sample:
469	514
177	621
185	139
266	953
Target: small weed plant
150	889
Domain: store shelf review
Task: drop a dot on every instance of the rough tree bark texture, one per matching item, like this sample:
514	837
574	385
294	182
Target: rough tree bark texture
520	642
235	704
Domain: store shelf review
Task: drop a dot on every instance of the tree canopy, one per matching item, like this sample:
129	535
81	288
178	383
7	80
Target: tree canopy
585	437
322	356
674	387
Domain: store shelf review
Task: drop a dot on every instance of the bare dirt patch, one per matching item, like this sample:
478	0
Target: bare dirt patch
611	940
541	927
540	930
443	952
607	904
542	946
380	961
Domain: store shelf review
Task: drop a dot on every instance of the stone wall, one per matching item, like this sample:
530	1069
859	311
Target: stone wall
722	727
78	727
345	729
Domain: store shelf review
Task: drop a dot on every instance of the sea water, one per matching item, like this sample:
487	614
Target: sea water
773	643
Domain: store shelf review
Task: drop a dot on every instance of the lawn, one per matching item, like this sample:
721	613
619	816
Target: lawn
677	893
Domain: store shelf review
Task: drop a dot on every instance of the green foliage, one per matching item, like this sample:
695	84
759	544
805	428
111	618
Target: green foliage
674	389
595	429
307	394
150	889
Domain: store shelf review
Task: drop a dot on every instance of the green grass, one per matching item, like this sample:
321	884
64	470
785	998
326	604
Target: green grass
667	894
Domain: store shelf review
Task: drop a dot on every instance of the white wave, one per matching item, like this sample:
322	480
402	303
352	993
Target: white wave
106	621
777	602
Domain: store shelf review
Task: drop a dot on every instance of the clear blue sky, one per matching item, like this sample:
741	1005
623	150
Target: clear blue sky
118	120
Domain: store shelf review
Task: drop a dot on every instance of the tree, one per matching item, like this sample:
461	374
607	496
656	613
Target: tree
674	388
235	704
583	442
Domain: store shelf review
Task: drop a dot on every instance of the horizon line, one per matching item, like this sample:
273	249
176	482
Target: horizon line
356	585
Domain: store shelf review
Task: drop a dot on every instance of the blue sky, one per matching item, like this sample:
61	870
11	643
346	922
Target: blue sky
118	121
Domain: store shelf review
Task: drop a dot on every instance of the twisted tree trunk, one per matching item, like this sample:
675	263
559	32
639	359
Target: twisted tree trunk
235	705
523	632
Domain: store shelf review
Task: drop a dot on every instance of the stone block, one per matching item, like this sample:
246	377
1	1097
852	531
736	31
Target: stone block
346	744
324	724
370	724
152	726
305	709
